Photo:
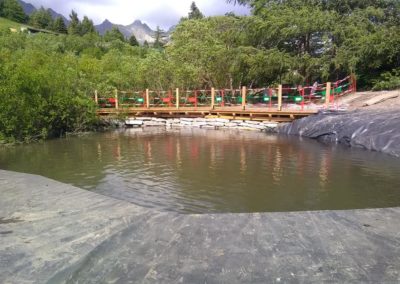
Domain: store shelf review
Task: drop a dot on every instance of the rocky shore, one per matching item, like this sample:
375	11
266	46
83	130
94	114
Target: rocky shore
375	130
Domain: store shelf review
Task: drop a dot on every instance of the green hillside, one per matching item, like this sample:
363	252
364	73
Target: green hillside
5	23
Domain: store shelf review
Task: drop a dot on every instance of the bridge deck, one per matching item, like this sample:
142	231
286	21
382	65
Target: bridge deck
252	113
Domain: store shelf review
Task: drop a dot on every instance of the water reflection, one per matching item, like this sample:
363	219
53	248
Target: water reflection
195	170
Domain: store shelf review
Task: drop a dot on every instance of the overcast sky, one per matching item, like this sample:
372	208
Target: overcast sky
164	13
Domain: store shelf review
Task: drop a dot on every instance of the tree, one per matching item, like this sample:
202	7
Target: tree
133	41
87	27
146	44
75	24
12	10
159	36
114	34
59	26
195	12
41	19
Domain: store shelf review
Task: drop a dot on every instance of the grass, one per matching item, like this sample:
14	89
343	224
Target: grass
7	24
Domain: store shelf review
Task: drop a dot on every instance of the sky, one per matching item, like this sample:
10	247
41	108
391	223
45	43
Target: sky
163	13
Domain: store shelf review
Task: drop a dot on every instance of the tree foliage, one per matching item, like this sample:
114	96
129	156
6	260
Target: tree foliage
41	19
47	81
114	34
12	10
59	26
195	13
133	41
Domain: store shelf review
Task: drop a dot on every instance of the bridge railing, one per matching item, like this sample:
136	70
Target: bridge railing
270	98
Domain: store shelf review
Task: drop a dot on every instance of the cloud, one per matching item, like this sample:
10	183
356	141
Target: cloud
163	13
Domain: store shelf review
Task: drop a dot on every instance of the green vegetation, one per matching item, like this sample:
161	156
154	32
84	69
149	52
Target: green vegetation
47	81
13	11
6	24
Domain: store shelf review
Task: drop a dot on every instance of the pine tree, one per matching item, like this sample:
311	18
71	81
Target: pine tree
1	8
75	24
146	44
195	13
59	26
159	41
87	26
133	41
12	10
41	19
114	34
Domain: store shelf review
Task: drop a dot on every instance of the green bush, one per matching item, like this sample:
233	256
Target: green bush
388	81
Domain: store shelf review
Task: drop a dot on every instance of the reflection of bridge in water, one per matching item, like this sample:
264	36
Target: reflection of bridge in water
280	104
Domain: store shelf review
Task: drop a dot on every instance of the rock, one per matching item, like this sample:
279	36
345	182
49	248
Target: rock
187	119
249	122
186	122
368	129
144	118
216	124
231	125
159	119
153	124
133	122
208	127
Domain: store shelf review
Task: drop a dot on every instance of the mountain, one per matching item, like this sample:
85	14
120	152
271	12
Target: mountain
29	9
141	30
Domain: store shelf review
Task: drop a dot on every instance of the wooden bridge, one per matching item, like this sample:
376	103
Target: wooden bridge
281	104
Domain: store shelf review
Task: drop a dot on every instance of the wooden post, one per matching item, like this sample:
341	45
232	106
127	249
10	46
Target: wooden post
328	94
244	93
177	98
96	97
212	98
147	98
280	98
116	99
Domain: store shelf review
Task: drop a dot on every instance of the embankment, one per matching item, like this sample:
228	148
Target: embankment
56	233
375	130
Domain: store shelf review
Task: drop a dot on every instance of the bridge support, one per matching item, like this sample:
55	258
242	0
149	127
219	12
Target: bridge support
212	98
328	94
244	94
177	98
147	98
116	99
280	98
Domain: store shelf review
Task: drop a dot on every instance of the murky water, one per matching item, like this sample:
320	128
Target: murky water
199	171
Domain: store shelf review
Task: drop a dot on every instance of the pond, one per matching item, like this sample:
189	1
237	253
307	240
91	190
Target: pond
207	171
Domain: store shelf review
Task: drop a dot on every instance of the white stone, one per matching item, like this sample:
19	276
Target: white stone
198	124
144	118
134	122
159	119
252	122
219	120
185	122
231	124
153	124
216	124
208	127
187	119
